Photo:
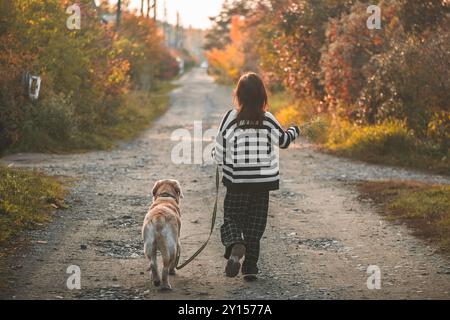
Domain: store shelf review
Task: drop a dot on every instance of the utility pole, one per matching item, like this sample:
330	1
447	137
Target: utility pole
177	31
166	25
119	13
151	7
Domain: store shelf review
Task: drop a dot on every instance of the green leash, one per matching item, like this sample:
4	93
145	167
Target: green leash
213	222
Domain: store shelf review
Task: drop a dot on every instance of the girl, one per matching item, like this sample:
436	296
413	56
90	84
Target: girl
245	147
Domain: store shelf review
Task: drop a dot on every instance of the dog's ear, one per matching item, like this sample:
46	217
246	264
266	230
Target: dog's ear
177	187
156	187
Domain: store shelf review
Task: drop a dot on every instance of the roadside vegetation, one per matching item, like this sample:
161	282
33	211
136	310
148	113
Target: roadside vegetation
99	84
390	142
135	113
423	207
379	95
27	199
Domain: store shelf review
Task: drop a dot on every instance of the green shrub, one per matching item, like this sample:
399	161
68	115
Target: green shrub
439	129
56	117
390	143
50	122
387	138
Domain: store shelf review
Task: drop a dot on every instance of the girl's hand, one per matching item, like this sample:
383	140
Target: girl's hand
312	129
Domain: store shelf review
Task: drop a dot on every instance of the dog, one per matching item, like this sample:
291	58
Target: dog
161	230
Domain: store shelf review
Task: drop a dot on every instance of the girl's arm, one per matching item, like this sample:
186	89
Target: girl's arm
220	143
285	137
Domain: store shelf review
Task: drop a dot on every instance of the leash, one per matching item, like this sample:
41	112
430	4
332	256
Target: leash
213	222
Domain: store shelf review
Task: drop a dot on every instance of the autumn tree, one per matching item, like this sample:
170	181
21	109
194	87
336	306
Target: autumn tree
226	64
86	73
419	15
349	48
219	35
295	34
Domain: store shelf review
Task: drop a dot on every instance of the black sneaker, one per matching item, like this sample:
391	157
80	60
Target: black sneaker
250	273
233	263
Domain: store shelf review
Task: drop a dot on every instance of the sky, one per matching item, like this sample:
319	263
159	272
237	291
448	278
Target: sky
192	12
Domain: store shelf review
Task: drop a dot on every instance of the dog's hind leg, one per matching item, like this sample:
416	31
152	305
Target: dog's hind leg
177	259
154	268
150	251
168	253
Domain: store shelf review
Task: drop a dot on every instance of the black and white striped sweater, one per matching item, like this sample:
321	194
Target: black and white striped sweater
249	154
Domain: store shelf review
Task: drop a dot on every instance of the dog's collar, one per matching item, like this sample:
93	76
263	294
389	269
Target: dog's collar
166	195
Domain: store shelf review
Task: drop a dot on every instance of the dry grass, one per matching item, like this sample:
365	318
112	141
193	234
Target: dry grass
425	208
27	199
388	143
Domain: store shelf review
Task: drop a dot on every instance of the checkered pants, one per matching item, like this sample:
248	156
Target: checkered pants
244	221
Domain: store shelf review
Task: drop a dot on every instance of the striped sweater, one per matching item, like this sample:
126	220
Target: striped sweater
249	154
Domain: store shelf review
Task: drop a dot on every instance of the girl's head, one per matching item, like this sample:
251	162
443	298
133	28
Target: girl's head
251	98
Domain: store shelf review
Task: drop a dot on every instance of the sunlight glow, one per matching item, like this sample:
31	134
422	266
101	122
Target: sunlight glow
193	13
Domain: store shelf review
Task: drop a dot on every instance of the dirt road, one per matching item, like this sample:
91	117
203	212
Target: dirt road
319	242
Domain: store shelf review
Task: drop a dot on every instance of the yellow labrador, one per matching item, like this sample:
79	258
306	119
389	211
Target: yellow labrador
161	230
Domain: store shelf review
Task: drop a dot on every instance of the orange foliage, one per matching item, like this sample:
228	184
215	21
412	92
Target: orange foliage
226	64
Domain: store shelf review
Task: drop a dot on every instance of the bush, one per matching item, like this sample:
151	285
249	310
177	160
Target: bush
169	67
56	117
49	122
390	142
141	43
439	129
370	141
411	81
349	48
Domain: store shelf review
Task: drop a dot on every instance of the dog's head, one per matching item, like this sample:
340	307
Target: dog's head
167	188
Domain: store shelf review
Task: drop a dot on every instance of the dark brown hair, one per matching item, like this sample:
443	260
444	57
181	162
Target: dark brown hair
251	98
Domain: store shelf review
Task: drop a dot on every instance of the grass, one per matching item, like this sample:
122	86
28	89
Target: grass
388	143
137	111
27	199
425	208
